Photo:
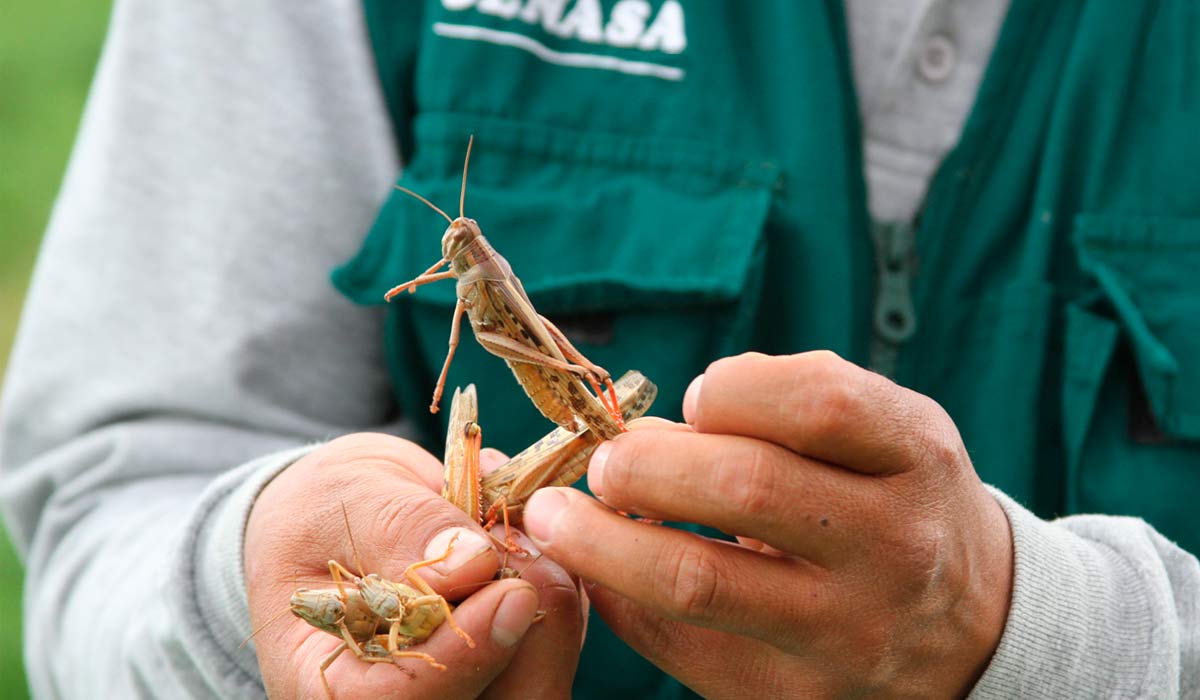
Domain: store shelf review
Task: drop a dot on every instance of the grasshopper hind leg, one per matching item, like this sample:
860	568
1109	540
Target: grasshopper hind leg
611	403
594	375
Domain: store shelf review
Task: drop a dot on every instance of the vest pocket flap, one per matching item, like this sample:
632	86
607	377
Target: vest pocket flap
586	237
1147	269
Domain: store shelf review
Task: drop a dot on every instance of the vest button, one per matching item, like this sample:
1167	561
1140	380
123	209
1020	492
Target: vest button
936	59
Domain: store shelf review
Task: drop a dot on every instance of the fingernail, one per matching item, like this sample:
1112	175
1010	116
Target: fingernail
468	545
541	512
522	540
596	468
691	399
514	615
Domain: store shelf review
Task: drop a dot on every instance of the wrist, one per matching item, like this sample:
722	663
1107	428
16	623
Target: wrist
967	621
209	593
987	595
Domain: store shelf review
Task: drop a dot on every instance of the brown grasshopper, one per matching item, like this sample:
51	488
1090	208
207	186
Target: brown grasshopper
375	618
558	459
548	367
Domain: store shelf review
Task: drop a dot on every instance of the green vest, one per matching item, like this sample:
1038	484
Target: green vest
674	182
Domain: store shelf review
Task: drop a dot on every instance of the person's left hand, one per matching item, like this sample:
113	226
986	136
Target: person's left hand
871	559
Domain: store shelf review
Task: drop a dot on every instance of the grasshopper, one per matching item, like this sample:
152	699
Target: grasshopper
547	366
558	459
376	619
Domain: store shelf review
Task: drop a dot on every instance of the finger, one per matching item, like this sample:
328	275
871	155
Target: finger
545	663
822	406
678	574
714	664
737	484
490	459
656	423
496	619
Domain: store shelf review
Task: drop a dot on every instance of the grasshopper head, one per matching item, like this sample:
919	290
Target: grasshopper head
461	233
322	609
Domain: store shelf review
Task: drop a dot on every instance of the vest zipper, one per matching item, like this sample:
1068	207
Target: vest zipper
895	317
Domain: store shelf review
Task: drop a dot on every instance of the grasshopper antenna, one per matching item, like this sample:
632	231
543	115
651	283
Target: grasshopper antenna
263	626
535	560
428	203
462	193
354	549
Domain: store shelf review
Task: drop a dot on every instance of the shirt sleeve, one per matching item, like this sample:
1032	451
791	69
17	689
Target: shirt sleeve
181	342
1102	606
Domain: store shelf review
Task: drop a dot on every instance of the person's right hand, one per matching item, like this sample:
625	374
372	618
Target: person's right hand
391	492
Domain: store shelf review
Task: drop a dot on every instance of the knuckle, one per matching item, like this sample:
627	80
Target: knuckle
629	449
817	392
694	593
372	446
741	358
830	406
938	439
919	559
818	367
408	518
751	487
374	452
822	359
945	451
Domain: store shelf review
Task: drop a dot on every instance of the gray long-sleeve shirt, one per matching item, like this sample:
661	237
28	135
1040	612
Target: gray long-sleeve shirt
180	325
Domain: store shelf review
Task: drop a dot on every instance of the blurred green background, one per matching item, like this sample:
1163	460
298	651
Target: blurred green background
48	52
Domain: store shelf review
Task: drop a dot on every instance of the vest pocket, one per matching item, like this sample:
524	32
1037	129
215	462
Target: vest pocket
644	261
1131	402
1146	271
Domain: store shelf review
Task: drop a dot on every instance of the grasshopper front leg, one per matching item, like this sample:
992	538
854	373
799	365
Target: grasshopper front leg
430	275
325	665
455	329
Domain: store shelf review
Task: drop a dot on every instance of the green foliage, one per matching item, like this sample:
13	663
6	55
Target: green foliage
12	674
48	52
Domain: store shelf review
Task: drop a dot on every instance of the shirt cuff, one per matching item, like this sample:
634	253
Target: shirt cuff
1081	620
210	598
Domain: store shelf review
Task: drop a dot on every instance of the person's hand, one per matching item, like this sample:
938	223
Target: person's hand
871	558
390	489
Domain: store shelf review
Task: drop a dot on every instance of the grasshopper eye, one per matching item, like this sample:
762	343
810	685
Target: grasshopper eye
458	234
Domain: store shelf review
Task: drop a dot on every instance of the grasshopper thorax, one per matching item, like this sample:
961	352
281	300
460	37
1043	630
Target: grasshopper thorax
382	597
